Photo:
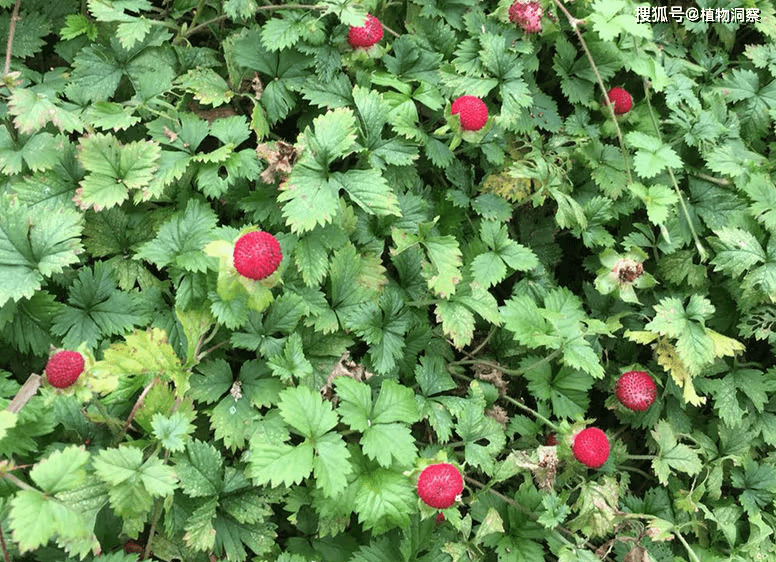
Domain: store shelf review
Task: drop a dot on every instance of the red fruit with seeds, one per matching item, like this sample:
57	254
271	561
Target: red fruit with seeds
472	111
257	255
64	368
528	15
622	100
636	390
591	447
366	35
439	485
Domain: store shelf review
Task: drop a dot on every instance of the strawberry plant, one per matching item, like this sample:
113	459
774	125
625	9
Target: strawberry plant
374	281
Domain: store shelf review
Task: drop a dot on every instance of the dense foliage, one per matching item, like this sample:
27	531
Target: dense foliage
445	295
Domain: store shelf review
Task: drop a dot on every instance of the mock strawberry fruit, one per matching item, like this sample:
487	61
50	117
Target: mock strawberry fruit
591	447
64	368
622	100
526	14
257	255
366	35
636	390
473	112
439	485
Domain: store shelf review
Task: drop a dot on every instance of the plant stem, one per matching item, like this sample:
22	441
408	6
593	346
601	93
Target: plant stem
13	479
575	25
6	556
531	411
138	403
11	32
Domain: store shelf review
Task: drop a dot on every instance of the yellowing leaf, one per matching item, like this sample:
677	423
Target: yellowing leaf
640	336
668	358
723	345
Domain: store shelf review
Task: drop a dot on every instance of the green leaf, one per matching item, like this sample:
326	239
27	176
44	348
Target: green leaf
142	353
758	482
395	403
432	376
737	250
310	199
652	156
445	257
33	111
96	309
114	170
173	431
200	470
369	190
457	321
385	499
200	534
211	380
62	470
672	456
305	410
278	463
330	464
35	243
386	442
207	86
292	362
182	238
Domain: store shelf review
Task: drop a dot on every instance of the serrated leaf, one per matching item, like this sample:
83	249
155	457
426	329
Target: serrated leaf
279	463
330	464
200	470
34	244
182	238
457	322
208	87
306	411
445	255
369	190
115	170
385	499
62	470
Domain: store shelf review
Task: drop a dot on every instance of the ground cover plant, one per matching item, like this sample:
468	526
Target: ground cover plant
436	280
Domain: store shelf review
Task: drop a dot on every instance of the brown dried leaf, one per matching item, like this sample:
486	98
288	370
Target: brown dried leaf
344	367
280	156
637	554
492	375
499	414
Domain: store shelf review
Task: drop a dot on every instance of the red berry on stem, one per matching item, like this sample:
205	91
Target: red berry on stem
257	255
526	14
636	390
439	485
591	447
64	368
366	35
622	100
472	111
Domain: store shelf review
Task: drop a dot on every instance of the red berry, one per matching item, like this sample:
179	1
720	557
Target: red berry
622	100
591	447
473	112
636	390
367	35
257	255
526	14
439	485
64	368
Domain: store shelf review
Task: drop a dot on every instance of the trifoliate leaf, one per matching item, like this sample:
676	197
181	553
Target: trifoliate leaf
114	170
181	240
96	308
35	243
672	456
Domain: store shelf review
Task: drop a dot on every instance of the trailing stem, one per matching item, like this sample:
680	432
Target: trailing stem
11	32
575	23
